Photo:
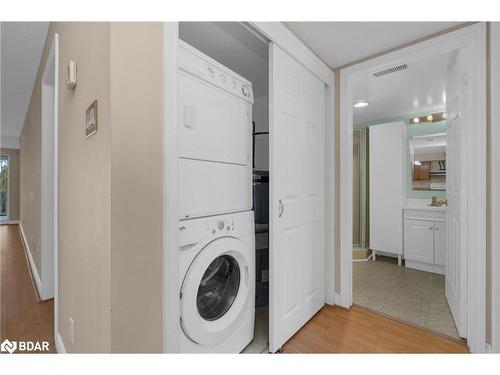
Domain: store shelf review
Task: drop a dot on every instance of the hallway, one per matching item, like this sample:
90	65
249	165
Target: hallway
22	317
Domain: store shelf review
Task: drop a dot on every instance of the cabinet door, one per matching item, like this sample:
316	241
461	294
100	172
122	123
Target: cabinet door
419	241
440	243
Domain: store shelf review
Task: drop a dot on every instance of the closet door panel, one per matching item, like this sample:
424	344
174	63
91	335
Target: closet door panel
297	194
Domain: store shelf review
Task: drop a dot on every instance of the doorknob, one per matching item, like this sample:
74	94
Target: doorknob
281	208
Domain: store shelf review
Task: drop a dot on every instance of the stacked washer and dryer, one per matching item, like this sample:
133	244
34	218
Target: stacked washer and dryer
216	222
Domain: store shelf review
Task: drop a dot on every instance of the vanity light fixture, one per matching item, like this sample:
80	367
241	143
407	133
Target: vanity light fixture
360	104
433	117
416	162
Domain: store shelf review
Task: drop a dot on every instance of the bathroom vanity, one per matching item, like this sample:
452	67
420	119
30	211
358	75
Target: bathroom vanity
424	239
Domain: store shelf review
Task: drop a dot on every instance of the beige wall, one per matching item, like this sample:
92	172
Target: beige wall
30	176
136	187
110	185
14	170
488	202
84	188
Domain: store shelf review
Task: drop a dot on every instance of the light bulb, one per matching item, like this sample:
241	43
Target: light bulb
360	104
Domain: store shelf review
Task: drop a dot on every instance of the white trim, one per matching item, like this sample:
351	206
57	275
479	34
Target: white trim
60	348
48	205
472	39
427	267
495	184
337	299
279	34
330	193
170	210
31	261
56	189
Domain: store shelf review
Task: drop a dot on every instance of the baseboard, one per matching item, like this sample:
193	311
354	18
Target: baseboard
433	268
339	301
31	261
60	344
9	222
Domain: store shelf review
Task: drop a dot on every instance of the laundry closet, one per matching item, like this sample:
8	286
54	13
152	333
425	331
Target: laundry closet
233	208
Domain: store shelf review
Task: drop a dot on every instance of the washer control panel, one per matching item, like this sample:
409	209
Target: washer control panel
200	65
220	226
206	229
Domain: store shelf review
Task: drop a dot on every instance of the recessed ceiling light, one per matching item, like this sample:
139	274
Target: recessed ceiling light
360	104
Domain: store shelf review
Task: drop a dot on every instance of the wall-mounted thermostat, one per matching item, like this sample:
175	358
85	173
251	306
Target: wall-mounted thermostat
91	119
71	75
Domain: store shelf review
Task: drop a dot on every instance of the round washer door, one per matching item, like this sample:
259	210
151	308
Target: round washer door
215	291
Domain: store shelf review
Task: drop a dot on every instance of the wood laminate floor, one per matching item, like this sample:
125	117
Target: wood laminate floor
22	317
359	330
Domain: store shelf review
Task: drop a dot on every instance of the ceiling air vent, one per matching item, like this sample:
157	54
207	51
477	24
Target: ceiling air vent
392	69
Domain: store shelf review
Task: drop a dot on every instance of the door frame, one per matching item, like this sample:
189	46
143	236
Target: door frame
48	172
52	62
279	34
473	40
7	217
495	184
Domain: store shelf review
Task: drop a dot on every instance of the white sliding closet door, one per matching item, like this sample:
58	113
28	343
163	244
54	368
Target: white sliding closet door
456	251
297	214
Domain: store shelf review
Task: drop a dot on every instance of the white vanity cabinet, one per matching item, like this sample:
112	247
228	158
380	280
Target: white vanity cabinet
425	239
440	243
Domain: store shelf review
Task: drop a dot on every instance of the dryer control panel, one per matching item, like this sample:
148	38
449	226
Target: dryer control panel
202	66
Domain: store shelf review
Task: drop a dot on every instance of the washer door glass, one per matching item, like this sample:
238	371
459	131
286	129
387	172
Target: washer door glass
218	288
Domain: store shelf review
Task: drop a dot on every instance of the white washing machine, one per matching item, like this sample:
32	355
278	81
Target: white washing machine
217	283
215	137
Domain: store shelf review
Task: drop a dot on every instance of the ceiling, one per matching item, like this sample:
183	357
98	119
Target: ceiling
341	43
233	45
22	46
419	88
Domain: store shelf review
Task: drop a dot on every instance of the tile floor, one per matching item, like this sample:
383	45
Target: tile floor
413	296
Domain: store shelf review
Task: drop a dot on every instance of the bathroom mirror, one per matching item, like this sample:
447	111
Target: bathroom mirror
428	162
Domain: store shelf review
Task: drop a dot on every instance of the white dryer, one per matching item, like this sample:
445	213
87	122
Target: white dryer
217	283
215	137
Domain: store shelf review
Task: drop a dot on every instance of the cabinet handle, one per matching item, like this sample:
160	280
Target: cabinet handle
281	208
431	228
